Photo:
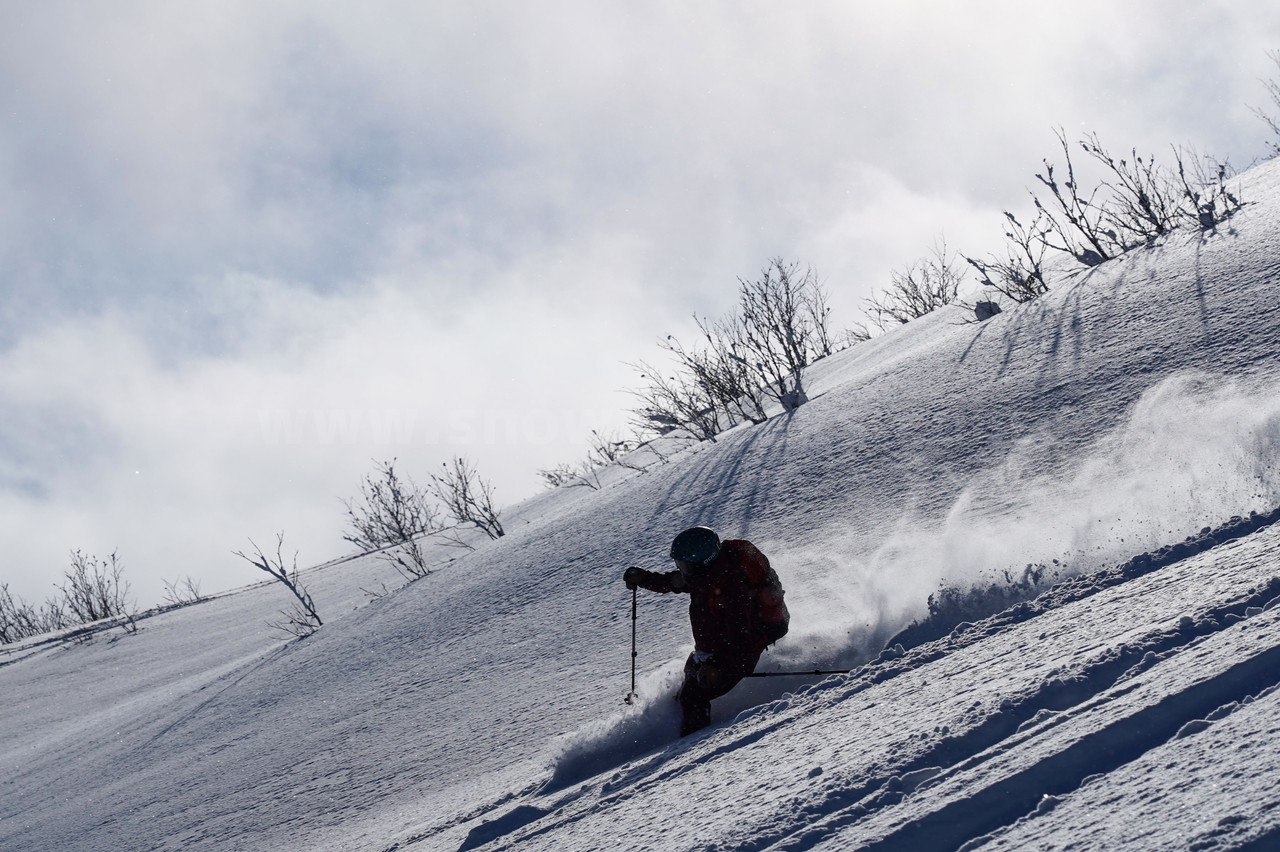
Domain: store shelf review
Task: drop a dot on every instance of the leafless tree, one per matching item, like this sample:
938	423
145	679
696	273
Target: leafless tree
182	592
94	589
467	498
391	517
921	288
301	619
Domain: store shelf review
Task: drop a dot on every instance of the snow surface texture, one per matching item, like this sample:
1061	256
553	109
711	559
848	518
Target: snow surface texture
481	707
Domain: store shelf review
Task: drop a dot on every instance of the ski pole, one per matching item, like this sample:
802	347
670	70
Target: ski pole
632	694
800	674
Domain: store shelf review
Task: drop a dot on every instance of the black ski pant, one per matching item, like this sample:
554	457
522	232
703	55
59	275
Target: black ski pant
706	678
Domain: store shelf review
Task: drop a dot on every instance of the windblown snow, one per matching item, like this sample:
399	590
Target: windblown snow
1088	434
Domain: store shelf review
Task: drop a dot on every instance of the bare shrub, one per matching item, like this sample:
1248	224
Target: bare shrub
610	448
94	589
467	498
1019	273
1207	198
20	620
1075	216
377	594
922	287
13	616
584	473
857	333
1272	120
1138	200
1143	202
606	449
561	476
675	402
182	592
782	323
301	619
719	368
391	517
759	351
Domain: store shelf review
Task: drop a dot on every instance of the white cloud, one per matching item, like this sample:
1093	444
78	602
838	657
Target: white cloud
415	229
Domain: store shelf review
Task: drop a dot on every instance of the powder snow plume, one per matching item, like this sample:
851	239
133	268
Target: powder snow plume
652	721
1195	450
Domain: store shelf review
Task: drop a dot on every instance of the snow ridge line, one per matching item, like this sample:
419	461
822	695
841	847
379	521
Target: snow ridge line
1016	796
849	805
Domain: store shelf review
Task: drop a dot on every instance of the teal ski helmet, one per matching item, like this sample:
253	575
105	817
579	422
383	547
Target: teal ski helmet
696	546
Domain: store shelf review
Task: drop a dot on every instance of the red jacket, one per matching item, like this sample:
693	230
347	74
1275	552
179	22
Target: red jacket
735	600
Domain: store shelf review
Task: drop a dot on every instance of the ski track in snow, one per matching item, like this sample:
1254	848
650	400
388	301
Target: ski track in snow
480	707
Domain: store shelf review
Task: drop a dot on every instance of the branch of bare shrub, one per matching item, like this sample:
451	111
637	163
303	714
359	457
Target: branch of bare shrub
301	619
1143	198
1203	180
719	369
606	449
1075	218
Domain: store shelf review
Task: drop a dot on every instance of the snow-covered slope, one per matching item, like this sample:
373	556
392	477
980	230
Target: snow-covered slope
1128	409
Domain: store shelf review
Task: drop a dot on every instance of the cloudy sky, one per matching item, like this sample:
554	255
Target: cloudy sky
248	247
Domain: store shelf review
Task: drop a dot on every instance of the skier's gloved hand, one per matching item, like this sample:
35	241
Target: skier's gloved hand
632	576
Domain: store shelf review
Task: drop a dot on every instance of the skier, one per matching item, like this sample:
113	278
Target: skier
736	610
